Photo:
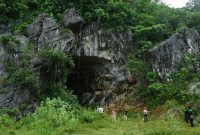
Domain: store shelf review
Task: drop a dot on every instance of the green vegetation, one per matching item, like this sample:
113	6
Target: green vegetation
10	43
55	68
59	111
51	115
55	117
177	88
21	72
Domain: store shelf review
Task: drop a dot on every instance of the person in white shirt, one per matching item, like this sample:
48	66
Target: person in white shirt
125	113
145	112
100	109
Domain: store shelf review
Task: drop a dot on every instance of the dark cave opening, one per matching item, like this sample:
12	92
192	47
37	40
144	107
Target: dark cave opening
84	77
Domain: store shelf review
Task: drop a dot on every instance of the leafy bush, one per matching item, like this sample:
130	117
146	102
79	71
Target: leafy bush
159	93
21	26
10	43
61	91
50	115
54	8
5	121
55	68
57	65
88	116
11	112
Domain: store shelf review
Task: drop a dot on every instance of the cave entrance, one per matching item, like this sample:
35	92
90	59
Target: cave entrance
85	75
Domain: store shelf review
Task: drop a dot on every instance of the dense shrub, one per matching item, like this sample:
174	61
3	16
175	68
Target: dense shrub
5	121
88	116
52	114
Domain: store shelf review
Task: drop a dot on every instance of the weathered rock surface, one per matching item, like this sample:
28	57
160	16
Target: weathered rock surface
194	87
3	53
168	56
100	75
14	95
99	56
45	32
96	41
100	62
72	21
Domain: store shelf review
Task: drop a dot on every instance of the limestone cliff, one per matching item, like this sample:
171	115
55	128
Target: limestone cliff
99	55
14	95
99	76
168	56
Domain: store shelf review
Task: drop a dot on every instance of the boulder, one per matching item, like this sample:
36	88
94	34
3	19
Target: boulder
72	21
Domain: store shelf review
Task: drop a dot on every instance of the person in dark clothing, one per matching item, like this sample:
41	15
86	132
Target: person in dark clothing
190	115
186	114
125	114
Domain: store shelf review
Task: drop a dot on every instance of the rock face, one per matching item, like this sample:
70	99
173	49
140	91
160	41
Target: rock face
99	56
3	53
45	32
99	76
168	56
100	65
72	21
98	42
14	95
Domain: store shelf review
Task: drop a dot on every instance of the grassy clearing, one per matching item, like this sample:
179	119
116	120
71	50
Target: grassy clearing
135	126
164	125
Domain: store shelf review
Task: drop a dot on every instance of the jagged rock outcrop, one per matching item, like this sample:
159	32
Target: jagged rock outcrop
72	21
168	56
99	55
101	59
100	75
96	41
45	32
13	96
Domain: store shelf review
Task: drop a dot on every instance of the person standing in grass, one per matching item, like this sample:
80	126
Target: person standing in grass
114	115
186	114
145	113
125	113
190	115
100	109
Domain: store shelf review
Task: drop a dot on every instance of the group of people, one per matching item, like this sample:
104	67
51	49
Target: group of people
188	113
125	117
114	114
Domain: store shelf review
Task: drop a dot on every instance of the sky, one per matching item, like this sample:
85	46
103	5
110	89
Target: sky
176	3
